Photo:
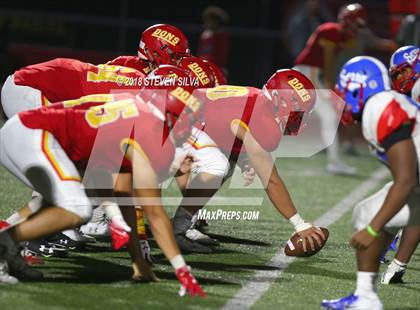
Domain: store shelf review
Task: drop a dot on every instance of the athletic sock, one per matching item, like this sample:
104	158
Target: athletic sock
396	266
366	284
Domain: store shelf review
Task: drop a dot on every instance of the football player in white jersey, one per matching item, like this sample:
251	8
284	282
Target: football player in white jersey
390	123
404	71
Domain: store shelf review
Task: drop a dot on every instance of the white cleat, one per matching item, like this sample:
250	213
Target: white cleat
354	302
393	276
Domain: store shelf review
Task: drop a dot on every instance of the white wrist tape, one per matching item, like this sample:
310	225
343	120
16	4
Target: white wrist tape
299	223
177	261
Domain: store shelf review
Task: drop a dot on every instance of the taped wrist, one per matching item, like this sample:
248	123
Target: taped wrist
299	223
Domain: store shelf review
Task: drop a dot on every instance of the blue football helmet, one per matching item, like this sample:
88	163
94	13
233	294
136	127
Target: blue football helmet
360	78
404	68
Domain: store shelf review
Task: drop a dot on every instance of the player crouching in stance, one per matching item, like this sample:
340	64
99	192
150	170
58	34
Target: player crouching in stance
44	148
404	71
249	121
390	123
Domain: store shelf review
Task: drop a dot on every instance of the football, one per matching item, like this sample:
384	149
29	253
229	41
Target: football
294	246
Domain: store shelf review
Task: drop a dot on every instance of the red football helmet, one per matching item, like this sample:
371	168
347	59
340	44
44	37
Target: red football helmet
163	44
352	15
292	94
218	75
168	91
202	74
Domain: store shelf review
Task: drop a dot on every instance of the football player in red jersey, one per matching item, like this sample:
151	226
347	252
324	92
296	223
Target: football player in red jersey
238	120
160	44
327	49
124	134
63	79
57	80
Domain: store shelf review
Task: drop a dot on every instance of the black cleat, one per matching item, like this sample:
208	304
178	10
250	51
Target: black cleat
60	240
45	249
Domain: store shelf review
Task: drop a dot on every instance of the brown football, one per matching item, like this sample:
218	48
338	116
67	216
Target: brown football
294	246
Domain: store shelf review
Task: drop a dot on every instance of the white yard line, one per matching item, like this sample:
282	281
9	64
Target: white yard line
262	280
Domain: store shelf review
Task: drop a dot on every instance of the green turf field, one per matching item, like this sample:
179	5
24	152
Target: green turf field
98	278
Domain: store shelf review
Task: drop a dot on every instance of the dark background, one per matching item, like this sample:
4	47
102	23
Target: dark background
97	31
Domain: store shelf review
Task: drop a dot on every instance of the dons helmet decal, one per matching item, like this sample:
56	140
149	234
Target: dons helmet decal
166	36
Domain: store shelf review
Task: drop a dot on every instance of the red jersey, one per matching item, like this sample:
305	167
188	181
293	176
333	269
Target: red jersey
246	105
98	136
326	34
133	62
62	78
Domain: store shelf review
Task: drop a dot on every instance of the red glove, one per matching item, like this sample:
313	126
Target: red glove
188	282
119	237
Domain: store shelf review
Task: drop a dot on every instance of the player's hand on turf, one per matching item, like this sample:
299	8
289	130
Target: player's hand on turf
361	240
248	174
310	236
188	282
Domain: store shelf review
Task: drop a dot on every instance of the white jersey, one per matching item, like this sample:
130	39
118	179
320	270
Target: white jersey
384	113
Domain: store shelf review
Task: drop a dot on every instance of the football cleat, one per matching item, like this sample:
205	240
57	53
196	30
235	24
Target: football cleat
353	302
196	235
96	228
63	241
31	259
394	273
393	277
119	237
45	249
188	282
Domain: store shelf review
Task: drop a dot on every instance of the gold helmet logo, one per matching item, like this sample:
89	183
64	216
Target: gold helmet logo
166	36
199	73
300	89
